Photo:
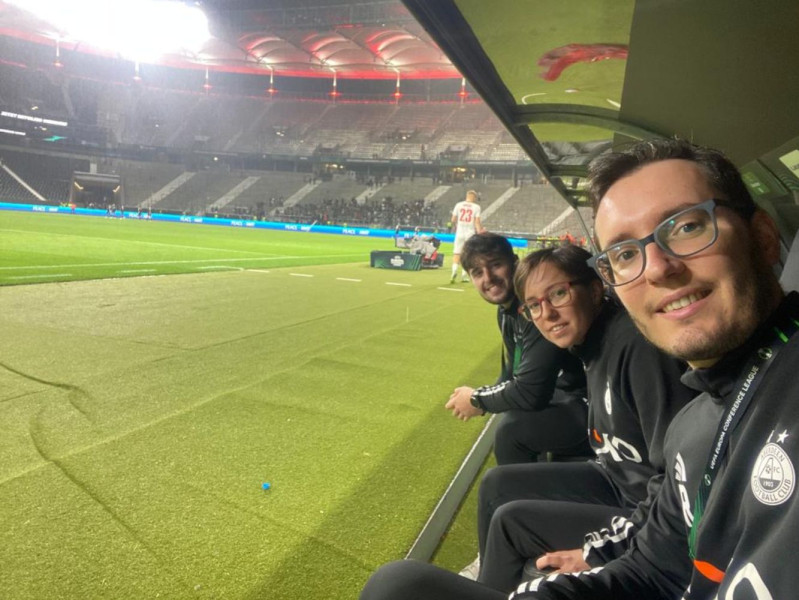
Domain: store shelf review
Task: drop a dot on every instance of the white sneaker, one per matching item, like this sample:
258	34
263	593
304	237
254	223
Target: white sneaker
472	570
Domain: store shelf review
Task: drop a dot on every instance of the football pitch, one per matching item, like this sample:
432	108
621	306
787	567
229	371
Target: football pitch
154	376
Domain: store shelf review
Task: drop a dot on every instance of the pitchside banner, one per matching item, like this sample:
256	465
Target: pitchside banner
301	227
404	261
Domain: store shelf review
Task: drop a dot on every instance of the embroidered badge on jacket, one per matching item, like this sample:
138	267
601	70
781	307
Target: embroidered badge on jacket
773	477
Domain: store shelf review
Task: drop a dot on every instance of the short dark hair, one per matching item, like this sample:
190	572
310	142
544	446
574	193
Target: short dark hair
570	259
486	244
723	176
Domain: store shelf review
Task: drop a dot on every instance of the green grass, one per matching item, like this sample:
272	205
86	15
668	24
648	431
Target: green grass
58	247
139	416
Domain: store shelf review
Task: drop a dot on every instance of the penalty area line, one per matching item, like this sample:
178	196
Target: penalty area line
348	279
446	289
300	275
399	284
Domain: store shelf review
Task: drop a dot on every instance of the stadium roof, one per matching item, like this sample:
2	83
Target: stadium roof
314	38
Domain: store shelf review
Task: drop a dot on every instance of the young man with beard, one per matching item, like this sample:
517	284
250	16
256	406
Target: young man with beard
541	388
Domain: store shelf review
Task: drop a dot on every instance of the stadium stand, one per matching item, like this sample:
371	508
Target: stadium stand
339	187
284	157
196	194
12	190
50	176
142	180
268	193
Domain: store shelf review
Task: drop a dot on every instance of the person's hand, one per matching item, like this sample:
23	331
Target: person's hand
563	561
460	403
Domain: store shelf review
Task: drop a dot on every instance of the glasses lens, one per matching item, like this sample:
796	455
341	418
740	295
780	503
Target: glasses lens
532	310
560	296
687	232
603	268
621	263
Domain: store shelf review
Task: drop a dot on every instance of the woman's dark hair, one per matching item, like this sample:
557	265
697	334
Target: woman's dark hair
483	245
569	259
722	175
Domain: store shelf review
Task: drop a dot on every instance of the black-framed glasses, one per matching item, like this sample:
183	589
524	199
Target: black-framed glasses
681	235
558	295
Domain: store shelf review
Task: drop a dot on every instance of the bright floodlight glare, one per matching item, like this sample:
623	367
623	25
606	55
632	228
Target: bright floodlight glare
136	29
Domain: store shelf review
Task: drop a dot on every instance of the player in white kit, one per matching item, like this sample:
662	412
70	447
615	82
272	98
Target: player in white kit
466	220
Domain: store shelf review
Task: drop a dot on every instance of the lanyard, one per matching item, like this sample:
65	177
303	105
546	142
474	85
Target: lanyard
514	351
747	385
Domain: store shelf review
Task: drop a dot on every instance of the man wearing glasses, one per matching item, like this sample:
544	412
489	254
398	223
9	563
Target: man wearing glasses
690	256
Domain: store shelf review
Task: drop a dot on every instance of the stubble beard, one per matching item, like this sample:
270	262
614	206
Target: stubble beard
753	293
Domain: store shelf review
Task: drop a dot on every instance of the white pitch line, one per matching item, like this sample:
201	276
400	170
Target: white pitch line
219	268
450	289
171	262
348	279
259	271
300	275
399	284
42	276
138	271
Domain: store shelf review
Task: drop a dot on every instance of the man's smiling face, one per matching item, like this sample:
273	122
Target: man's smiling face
492	277
699	307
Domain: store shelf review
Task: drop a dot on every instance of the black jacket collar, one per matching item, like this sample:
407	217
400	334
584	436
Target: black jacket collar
719	379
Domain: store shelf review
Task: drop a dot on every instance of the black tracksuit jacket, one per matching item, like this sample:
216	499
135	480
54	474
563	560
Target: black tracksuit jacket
635	391
747	540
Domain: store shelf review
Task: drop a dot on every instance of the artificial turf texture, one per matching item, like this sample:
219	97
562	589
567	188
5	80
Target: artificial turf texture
140	416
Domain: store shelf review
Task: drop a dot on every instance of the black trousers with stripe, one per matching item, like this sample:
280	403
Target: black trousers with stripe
526	510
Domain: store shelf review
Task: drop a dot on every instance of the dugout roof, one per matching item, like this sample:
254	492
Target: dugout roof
570	79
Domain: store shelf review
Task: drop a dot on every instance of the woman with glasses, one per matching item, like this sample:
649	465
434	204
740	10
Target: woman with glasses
550	509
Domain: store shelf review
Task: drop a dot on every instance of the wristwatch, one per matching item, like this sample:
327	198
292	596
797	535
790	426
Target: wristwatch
475	401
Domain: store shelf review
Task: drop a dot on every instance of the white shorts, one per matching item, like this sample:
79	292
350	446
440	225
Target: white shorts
460	240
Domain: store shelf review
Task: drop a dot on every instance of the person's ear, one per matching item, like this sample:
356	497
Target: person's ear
597	291
765	236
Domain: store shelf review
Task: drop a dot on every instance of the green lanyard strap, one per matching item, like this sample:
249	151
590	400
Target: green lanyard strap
747	385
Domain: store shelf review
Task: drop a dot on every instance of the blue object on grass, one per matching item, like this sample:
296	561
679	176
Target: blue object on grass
266	486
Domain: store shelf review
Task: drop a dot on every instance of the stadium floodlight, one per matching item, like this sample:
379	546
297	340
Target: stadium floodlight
136	29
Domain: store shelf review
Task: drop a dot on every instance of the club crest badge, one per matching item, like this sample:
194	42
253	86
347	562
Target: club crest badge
773	477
